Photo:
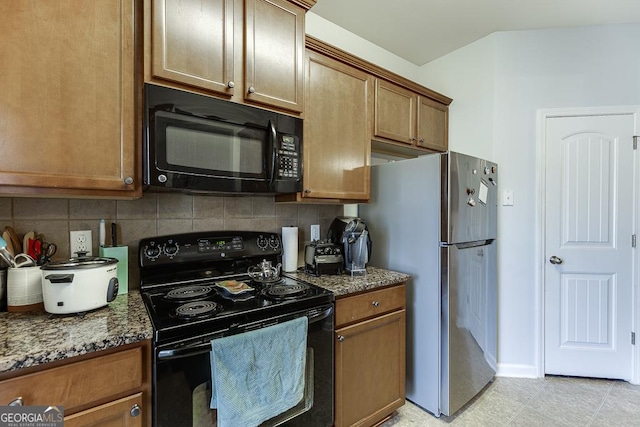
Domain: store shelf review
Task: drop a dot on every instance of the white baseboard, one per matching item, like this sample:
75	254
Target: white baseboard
518	371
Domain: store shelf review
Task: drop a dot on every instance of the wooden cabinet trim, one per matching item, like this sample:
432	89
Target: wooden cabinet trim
375	70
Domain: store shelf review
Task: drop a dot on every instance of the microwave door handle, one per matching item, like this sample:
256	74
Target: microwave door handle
273	136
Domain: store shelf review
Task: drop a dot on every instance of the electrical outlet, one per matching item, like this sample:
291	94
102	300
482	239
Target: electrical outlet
81	242
315	232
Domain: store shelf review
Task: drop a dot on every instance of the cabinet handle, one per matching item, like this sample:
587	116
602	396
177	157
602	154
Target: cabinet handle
128	180
252	89
231	84
135	410
16	402
340	338
375	303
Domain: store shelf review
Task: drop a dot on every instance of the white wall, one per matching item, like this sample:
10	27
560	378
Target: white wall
497	84
589	66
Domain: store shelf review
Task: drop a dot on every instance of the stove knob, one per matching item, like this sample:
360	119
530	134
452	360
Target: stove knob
152	252
262	242
274	242
171	249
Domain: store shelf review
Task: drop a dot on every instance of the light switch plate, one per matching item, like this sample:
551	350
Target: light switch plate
315	232
507	197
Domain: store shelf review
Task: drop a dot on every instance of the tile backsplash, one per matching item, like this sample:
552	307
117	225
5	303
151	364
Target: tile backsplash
157	214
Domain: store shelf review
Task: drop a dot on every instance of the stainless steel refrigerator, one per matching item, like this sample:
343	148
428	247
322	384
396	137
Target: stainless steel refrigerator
434	217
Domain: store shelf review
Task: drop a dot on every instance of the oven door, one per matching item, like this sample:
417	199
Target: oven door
182	378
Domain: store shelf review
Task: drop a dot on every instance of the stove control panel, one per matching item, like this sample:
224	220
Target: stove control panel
206	246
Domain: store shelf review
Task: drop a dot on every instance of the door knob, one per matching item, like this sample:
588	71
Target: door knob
555	260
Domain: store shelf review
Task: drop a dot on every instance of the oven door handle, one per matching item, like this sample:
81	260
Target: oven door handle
201	348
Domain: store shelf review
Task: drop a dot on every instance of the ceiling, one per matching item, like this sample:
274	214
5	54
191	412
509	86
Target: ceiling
423	30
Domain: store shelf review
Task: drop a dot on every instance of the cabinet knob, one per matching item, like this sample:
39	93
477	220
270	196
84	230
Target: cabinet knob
375	303
252	89
231	84
413	139
307	190
135	410
421	142
340	338
128	180
16	402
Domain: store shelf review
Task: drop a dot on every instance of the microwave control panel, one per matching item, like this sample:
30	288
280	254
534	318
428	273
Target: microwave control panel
288	157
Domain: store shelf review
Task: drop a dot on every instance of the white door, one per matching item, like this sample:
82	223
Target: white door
589	214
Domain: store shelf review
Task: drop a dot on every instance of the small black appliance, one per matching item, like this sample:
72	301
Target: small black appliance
353	234
322	257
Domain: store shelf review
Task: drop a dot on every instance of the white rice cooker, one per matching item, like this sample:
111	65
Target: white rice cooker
79	284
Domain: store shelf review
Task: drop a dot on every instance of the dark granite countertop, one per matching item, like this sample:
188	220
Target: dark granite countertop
344	284
34	338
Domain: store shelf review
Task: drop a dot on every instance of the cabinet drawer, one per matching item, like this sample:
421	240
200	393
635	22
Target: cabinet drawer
120	413
358	307
78	383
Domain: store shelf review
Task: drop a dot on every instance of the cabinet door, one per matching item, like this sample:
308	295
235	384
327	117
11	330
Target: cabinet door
370	370
337	132
192	43
67	97
274	53
395	113
125	412
433	125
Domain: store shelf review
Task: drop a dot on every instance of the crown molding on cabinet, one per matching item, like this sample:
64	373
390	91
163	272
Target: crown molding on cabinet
305	4
342	56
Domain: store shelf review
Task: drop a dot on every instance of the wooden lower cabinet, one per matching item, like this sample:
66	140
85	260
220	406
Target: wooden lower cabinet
370	357
105	388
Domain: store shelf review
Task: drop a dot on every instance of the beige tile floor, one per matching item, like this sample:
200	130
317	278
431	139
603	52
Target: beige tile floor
551	401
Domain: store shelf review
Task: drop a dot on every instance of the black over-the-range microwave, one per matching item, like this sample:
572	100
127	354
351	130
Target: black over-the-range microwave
195	143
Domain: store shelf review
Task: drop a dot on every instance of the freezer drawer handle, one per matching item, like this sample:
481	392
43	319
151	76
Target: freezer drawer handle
555	260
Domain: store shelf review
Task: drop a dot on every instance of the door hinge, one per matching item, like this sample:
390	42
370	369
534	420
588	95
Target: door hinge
635	142
633	240
633	338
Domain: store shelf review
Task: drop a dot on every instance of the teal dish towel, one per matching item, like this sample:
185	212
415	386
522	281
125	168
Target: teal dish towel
259	374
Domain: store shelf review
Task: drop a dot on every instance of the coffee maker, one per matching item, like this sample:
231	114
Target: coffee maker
352	233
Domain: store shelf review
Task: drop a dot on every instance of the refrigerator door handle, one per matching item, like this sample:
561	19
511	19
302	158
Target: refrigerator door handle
465	245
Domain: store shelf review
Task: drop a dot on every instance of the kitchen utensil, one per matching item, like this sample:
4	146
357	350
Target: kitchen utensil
265	272
29	235
79	284
6	238
114	234
15	240
23	260
24	289
5	254
44	251
101	234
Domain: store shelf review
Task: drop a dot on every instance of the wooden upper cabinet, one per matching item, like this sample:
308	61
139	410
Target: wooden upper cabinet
408	118
433	124
247	51
395	113
336	130
68	117
193	43
274	53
